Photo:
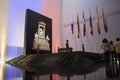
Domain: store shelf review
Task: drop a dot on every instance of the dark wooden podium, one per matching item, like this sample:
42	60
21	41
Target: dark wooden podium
70	49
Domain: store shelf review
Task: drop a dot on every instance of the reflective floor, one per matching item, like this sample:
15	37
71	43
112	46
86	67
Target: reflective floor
8	72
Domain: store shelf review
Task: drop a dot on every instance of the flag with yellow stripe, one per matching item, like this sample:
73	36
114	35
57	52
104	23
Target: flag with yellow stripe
98	21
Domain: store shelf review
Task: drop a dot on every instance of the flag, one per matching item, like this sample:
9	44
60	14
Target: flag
98	21
78	26
104	20
91	25
72	28
84	25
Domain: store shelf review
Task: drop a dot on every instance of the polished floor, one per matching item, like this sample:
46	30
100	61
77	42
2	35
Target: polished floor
22	68
8	72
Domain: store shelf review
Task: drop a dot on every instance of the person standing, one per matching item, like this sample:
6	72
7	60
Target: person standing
106	52
112	50
67	45
38	49
113	58
83	48
117	48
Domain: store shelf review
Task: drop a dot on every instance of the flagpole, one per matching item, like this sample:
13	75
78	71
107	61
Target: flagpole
75	41
72	25
88	40
81	40
78	26
86	34
85	30
94	43
91	30
105	22
73	32
98	25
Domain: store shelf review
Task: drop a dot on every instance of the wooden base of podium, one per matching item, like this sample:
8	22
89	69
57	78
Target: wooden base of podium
65	50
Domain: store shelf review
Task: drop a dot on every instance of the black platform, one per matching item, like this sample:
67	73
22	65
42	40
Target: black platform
61	63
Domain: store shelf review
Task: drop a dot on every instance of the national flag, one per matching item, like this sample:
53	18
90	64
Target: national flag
98	21
72	28
84	25
78	26
91	25
104	20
